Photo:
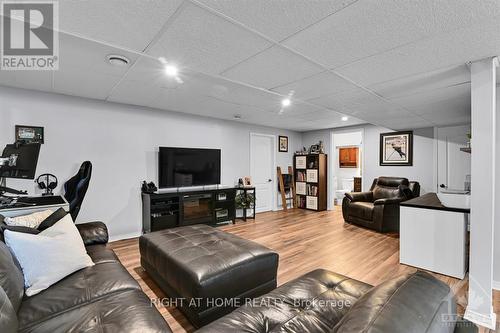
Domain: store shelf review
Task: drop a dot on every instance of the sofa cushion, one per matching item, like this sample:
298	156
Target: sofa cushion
126	311
314	302
415	302
363	210
8	317
79	288
11	277
388	187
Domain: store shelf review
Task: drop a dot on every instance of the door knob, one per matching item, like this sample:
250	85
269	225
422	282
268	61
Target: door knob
269	180
442	186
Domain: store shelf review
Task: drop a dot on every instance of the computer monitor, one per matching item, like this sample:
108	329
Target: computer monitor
19	160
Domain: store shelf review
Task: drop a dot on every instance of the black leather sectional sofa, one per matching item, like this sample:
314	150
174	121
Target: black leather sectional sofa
101	298
326	302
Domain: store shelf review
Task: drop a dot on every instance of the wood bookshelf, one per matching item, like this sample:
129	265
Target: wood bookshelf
310	174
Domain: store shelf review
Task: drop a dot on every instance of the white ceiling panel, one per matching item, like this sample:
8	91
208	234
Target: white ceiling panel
126	23
204	42
36	80
367	28
442	51
324	83
277	19
84	69
415	84
271	68
454	97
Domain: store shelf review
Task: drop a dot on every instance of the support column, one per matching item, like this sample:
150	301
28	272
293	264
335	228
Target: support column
483	173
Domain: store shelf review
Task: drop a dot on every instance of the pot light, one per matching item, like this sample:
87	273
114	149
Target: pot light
286	102
345	118
118	60
171	70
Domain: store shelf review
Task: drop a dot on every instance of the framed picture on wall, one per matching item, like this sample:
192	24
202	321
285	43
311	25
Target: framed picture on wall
29	133
396	148
283	144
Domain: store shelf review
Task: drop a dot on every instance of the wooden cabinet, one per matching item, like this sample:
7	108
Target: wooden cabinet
310	173
348	157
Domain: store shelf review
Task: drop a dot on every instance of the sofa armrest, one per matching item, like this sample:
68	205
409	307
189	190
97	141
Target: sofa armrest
360	196
93	233
387	201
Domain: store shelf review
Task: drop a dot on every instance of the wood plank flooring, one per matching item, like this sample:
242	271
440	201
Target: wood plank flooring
305	241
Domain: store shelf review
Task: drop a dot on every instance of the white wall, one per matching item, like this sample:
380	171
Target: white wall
423	155
122	143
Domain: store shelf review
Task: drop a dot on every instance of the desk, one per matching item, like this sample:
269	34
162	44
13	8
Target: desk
37	204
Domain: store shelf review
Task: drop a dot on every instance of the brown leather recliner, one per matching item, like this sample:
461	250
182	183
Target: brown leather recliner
378	209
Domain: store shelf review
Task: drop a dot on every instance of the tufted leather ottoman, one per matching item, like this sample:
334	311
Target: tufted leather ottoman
207	272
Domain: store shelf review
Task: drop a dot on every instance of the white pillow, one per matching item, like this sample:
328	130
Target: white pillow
31	220
49	256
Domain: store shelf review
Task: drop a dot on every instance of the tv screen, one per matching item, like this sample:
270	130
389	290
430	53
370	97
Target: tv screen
179	167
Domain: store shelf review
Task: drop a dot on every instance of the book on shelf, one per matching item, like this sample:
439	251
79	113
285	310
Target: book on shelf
312	190
301	176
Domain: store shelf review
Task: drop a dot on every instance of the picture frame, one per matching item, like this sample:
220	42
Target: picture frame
30	134
247	181
283	144
396	148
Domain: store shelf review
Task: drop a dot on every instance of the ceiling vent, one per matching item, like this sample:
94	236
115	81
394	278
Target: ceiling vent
118	60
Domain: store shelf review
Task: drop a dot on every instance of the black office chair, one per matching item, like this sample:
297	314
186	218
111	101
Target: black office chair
76	187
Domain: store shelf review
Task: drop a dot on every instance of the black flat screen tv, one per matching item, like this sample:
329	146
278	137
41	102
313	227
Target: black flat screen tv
181	167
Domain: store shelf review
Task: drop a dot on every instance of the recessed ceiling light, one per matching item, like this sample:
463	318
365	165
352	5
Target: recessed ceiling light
286	102
345	118
163	60
171	70
118	60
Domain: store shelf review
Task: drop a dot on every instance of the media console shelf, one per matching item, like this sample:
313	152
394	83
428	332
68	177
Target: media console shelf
170	210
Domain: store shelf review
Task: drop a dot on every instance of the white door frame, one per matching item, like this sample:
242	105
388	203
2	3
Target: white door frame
274	206
331	161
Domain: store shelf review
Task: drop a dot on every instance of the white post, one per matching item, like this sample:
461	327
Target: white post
483	171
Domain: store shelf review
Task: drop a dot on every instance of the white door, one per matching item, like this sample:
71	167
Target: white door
262	170
453	164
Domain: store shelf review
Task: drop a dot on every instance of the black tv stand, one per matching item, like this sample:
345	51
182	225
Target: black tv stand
186	207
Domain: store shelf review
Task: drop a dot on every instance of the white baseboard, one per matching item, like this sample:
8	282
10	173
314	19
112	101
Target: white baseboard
115	238
488	321
496	285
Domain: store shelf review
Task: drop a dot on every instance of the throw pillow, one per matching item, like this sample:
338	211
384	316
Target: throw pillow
31	220
52	219
50	256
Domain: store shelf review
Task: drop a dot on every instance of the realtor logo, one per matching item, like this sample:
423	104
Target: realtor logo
30	39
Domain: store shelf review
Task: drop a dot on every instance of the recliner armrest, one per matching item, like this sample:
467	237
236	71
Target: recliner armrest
387	201
93	233
360	196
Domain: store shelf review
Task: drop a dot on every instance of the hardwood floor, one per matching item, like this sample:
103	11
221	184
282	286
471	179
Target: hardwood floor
305	241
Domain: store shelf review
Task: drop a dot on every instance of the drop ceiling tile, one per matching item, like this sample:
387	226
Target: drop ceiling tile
118	22
271	68
84	70
277	19
446	50
457	96
36	80
205	42
324	83
367	28
419	83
